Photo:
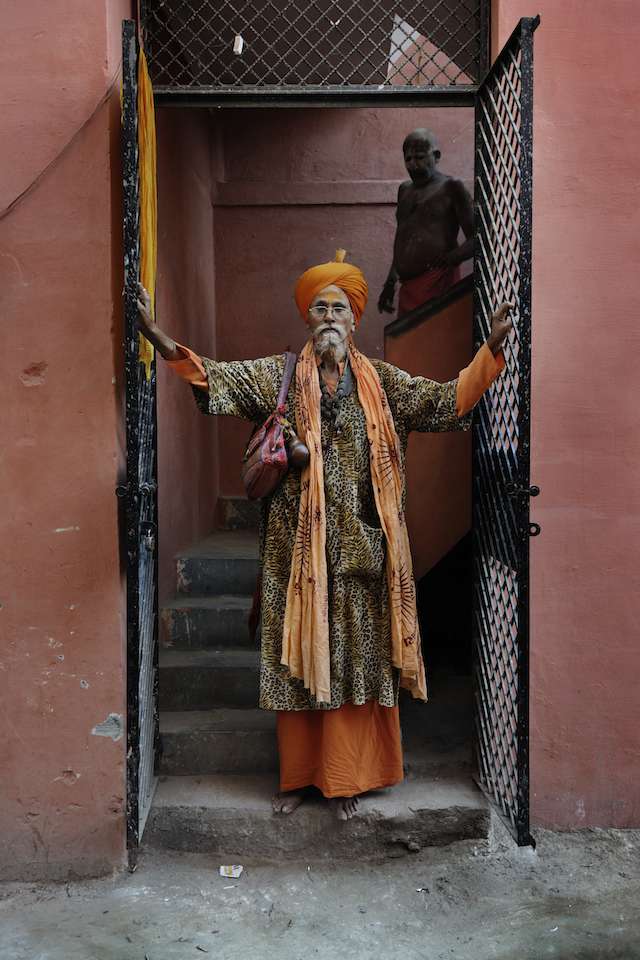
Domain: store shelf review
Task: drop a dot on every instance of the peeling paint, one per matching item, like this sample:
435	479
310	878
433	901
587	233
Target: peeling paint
111	727
33	375
183	579
68	776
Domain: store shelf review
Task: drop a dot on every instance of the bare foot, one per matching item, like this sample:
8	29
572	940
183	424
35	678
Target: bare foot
288	801
344	807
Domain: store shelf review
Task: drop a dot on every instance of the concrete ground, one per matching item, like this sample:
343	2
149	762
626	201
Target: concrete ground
577	897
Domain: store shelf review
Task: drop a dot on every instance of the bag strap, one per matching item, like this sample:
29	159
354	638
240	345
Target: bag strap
289	367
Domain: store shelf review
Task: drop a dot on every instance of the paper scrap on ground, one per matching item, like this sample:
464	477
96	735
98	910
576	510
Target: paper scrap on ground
231	870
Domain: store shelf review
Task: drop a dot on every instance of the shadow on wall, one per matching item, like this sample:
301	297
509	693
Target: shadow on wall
444	598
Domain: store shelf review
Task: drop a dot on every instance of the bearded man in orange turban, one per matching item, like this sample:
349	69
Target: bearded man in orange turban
339	626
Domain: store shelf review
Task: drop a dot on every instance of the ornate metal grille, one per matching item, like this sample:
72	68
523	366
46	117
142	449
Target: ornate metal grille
140	490
332	45
504	120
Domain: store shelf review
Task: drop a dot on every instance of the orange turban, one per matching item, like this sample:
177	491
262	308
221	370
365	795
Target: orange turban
342	275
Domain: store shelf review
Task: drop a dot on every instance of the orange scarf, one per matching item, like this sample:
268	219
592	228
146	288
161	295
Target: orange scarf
305	642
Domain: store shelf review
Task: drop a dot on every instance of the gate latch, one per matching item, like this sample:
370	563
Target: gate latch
516	489
145	489
148	529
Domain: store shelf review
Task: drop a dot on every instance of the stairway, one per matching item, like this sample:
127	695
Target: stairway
218	762
209	671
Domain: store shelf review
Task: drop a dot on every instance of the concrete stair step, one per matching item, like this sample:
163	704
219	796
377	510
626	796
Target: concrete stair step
225	740
195	622
238	513
207	679
231	816
225	562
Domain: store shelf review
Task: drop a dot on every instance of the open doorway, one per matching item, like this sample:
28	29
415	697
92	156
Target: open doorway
248	199
195	150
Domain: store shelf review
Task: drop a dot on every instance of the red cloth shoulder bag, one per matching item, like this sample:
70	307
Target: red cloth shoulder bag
266	459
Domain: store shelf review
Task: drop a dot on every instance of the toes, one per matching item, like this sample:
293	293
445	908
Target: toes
344	807
288	802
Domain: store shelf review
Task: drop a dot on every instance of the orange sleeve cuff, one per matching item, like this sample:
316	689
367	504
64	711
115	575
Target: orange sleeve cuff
190	368
475	379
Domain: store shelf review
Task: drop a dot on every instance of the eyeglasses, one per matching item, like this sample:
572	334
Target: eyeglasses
339	311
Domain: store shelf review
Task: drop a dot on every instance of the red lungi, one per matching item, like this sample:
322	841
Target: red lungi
429	284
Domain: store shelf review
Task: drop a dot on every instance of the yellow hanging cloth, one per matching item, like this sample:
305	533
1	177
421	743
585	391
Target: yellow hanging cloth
148	197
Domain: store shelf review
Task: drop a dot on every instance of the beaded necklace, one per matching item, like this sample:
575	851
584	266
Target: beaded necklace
330	406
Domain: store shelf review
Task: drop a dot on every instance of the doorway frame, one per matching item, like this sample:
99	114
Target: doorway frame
416	97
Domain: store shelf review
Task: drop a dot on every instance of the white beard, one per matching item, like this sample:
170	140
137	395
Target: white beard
330	345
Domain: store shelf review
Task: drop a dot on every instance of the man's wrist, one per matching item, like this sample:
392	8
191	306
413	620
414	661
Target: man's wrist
495	348
167	352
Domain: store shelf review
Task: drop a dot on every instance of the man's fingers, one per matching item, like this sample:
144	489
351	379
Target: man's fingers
503	310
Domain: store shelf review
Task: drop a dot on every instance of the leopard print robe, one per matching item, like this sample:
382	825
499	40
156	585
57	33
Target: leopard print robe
359	627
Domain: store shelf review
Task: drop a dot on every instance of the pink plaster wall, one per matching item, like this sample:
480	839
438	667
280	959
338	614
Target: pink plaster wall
62	654
585	603
187	441
292	186
438	466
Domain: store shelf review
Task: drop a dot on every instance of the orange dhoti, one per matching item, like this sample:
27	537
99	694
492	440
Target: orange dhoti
342	752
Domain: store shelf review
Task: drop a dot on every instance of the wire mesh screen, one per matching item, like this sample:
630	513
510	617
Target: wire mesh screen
273	43
501	430
140	490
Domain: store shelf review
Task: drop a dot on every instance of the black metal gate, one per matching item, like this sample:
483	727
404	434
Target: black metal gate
503	168
141	487
292	52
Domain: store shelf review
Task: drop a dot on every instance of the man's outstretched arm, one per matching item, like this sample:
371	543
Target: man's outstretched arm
185	363
165	346
475	379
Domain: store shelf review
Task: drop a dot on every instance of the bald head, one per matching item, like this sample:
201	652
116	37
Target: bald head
422	135
421	155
